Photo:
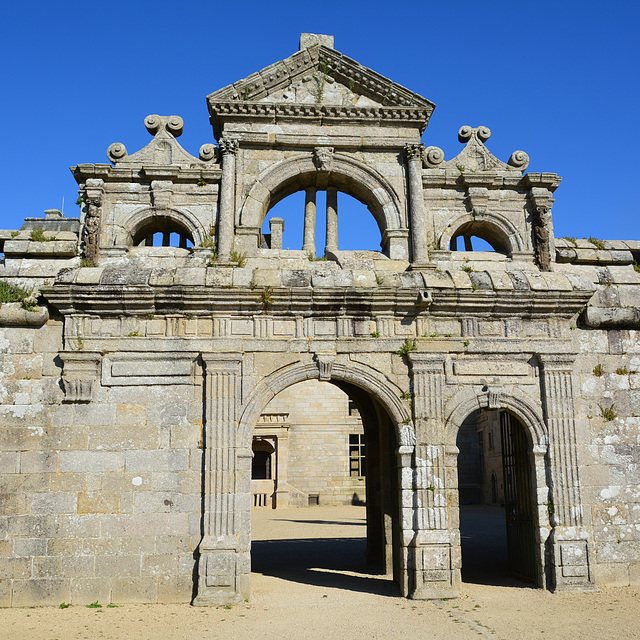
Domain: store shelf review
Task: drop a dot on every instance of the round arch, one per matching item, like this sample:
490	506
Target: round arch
362	376
521	406
180	218
347	175
495	229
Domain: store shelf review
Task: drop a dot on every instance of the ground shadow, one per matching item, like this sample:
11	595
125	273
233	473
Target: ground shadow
319	562
484	547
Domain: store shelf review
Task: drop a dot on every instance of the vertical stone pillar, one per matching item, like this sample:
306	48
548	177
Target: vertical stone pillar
435	550
276	226
226	212
225	562
309	244
94	194
418	221
569	541
332	220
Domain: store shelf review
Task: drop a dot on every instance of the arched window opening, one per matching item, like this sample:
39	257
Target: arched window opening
480	236
351	225
163	233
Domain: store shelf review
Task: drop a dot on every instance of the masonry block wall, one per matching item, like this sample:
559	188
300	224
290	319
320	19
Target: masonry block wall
135	373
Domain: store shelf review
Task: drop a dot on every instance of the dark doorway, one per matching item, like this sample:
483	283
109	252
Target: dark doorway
497	511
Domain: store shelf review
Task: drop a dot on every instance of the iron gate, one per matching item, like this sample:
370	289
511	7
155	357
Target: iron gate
518	499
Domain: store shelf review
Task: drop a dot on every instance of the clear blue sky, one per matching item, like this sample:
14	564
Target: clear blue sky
558	80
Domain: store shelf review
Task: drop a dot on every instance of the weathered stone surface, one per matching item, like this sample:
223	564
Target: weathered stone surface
134	397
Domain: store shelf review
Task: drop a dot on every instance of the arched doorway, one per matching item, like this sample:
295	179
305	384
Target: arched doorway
341	476
496	486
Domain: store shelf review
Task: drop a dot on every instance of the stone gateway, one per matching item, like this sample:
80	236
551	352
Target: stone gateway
167	365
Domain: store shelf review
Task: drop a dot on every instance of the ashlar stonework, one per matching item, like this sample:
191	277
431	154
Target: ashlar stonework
171	351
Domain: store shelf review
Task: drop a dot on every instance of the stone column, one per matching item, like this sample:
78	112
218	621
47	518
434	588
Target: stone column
571	550
225	562
309	245
332	220
226	213
276	226
418	221
435	549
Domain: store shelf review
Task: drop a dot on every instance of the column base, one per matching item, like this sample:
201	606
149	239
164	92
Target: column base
224	577
571	561
434	571
422	266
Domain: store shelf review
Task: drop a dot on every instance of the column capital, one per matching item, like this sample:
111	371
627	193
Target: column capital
414	151
222	362
228	146
558	362
427	362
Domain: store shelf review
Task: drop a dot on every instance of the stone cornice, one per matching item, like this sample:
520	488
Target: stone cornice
145	173
116	300
319	113
434	178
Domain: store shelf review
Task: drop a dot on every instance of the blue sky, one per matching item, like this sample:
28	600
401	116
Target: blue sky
557	80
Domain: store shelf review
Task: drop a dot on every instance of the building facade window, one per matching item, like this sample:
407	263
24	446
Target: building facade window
356	455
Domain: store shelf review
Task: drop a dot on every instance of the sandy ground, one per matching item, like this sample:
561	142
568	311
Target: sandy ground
305	586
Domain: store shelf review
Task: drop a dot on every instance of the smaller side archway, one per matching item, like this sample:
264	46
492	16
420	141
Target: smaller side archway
494	229
147	221
502	445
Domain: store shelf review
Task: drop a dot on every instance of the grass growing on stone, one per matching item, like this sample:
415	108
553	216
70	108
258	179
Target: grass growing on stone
598	371
597	243
408	346
608	413
12	293
37	235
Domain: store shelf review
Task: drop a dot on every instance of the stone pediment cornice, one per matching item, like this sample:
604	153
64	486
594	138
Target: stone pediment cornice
250	96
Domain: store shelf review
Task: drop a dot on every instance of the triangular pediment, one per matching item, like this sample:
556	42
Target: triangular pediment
319	77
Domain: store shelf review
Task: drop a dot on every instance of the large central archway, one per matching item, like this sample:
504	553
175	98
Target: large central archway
386	422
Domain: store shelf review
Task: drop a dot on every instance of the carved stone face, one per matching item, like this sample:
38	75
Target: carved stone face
323	158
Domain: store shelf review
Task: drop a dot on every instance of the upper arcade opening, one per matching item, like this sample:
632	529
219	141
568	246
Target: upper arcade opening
321	222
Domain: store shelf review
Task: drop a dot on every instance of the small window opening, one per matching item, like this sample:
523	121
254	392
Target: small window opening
356	455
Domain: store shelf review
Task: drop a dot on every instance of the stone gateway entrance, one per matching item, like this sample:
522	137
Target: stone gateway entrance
167	366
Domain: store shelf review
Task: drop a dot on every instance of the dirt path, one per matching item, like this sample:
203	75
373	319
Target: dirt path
318	598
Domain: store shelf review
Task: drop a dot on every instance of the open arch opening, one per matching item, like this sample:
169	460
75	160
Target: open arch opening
486	232
340	173
496	487
335	490
356	228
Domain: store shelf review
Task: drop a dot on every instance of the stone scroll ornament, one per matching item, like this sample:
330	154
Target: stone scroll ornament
475	156
541	234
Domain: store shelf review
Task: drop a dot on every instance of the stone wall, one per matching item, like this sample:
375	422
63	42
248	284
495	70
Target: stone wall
133	377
